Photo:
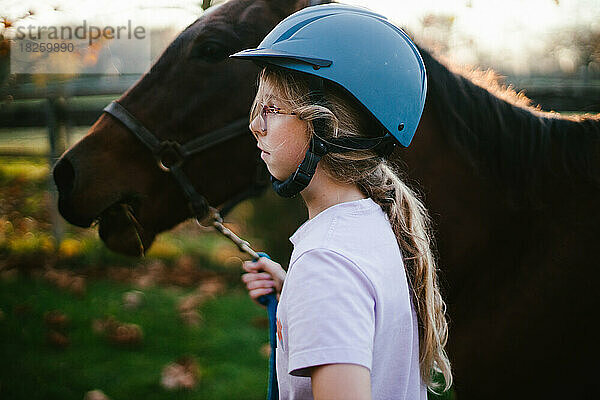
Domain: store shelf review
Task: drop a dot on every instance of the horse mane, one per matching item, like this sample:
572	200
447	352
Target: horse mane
503	137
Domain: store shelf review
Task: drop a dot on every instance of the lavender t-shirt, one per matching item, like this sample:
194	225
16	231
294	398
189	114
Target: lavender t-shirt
345	299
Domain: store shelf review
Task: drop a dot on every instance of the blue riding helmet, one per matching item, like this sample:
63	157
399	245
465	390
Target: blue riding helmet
361	51
365	54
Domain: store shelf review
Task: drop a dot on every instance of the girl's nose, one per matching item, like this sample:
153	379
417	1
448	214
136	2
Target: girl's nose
256	128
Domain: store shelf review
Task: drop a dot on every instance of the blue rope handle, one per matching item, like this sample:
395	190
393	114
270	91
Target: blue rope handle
270	301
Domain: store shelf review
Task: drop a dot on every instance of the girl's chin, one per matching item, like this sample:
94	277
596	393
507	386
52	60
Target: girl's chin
281	172
278	174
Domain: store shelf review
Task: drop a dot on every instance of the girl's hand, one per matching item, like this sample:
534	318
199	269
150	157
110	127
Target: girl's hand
263	277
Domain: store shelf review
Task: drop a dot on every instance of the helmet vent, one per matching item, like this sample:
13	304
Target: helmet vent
287	34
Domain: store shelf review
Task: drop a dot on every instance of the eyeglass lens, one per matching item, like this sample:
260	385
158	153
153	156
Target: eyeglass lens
263	118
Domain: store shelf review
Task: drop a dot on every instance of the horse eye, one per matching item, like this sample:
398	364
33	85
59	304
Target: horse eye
209	51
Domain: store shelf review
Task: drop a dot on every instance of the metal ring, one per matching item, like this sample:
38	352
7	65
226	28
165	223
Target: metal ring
171	148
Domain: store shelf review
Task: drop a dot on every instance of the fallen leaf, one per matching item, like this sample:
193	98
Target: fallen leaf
117	332
265	350
96	395
133	299
183	374
56	320
212	286
126	334
57	339
191	317
190	302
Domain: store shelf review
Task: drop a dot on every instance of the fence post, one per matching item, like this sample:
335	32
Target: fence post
56	116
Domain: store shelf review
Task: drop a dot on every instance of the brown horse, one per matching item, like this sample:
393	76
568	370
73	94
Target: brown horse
514	193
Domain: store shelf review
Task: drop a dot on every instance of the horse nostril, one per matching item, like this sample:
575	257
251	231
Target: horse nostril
64	176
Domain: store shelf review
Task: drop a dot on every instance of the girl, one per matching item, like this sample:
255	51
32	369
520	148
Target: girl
360	313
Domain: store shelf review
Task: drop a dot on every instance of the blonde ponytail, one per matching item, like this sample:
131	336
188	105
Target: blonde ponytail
410	222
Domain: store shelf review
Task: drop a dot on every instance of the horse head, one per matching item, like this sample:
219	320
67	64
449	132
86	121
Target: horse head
109	176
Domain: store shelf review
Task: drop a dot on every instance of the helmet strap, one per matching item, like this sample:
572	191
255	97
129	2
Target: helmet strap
300	179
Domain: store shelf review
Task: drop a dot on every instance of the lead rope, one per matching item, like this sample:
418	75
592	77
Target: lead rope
268	300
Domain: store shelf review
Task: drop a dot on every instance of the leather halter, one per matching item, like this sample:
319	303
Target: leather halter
171	155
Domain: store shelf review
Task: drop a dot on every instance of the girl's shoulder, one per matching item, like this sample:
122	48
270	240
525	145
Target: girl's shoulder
352	224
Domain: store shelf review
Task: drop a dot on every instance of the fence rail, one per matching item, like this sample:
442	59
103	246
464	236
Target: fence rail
32	106
560	94
90	85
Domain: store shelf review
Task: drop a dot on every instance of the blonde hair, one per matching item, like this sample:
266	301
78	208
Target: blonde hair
377	178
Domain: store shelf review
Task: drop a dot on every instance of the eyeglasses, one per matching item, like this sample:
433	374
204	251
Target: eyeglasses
266	110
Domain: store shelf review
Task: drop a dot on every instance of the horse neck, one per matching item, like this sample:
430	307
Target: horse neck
493	174
466	210
519	149
576	148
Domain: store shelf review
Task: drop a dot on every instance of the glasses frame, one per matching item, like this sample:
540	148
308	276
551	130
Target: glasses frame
266	110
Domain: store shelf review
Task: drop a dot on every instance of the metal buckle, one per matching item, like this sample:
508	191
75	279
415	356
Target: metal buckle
169	155
302	177
207	221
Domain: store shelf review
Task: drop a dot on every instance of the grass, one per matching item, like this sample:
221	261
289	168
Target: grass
34	140
226	345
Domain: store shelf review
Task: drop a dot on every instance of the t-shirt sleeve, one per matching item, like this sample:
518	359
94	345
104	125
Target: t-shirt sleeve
330	312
